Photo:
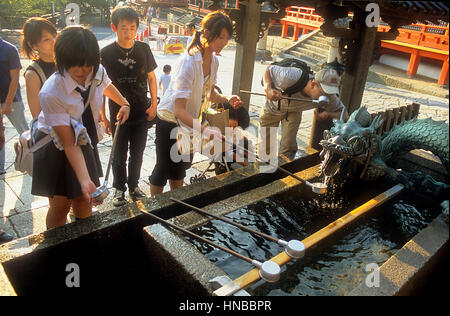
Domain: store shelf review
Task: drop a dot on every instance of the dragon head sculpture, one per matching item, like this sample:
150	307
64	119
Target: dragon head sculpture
349	146
353	149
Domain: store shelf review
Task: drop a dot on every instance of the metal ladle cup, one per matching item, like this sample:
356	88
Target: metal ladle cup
322	102
102	192
317	187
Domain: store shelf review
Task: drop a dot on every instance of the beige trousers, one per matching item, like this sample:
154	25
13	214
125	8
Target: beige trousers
290	122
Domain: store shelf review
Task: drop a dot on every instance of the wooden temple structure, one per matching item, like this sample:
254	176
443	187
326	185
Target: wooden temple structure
358	42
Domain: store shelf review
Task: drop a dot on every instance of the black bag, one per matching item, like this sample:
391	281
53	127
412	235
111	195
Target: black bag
303	81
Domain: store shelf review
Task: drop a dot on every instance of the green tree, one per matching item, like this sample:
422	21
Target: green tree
12	9
28	8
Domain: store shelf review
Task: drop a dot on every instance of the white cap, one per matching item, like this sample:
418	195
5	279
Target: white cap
329	80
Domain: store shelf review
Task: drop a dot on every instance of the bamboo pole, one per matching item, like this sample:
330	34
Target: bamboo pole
282	258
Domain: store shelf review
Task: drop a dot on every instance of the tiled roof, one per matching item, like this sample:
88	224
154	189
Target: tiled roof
433	11
188	18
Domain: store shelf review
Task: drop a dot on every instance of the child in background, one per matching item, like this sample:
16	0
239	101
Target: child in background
130	65
164	80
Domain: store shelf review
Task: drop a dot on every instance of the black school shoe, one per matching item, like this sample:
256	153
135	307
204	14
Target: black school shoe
4	237
137	194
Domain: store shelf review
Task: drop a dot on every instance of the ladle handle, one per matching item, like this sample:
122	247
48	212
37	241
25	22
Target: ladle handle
283	97
108	168
262	160
195	236
226	220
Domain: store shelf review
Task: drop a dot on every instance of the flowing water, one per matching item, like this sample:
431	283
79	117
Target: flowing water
336	265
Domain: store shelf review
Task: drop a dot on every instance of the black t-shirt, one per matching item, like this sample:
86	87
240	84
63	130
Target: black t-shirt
47	68
129	73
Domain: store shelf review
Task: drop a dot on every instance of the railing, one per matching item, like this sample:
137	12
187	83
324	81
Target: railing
202	5
303	15
431	36
176	3
395	116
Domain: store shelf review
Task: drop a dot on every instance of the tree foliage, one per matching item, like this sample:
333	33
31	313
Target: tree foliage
29	8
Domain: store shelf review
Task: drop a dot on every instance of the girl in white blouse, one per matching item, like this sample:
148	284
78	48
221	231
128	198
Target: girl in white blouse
194	78
67	170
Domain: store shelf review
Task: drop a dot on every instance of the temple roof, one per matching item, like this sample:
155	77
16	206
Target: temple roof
408	11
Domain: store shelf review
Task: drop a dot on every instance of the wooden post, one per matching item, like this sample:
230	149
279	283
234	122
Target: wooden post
416	107
317	129
389	118
284	29
413	63
396	116
409	112
246	51
443	77
383	117
296	32
403	111
353	84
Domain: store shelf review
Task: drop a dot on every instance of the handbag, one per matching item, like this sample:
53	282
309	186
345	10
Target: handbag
218	117
187	143
25	148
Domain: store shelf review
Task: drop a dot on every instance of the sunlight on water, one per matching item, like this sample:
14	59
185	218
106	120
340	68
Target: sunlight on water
333	267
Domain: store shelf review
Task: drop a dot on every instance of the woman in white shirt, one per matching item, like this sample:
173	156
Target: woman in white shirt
67	168
194	78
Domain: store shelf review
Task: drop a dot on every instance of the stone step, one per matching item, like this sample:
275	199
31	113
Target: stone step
312	41
313	48
310	53
313	64
318	38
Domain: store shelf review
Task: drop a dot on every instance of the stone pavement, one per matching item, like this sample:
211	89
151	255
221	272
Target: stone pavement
22	214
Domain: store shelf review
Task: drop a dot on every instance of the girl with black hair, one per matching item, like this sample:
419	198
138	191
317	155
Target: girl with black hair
67	168
38	42
188	95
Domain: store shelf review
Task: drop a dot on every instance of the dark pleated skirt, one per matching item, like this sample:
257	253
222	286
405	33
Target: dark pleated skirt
53	174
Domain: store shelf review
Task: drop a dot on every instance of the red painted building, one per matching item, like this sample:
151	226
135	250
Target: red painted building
417	40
